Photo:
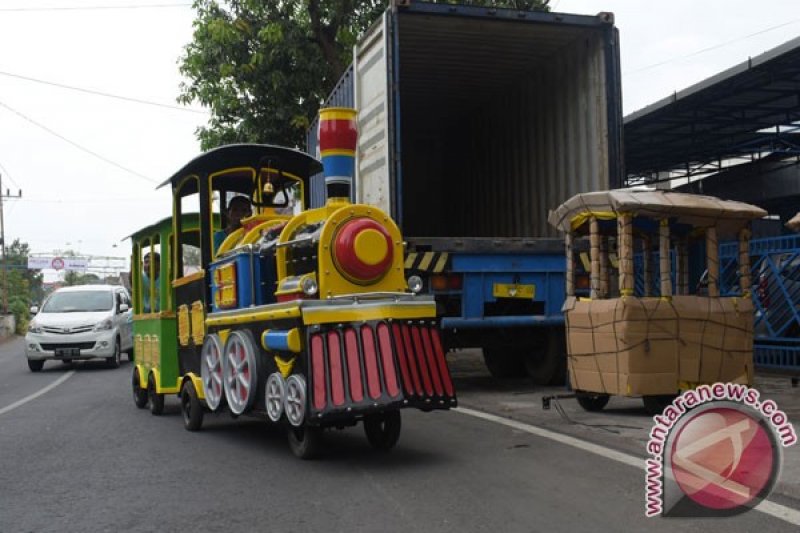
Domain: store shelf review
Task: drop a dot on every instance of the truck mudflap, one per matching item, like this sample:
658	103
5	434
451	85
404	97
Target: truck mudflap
355	369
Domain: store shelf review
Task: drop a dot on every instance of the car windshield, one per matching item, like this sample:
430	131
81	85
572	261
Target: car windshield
78	301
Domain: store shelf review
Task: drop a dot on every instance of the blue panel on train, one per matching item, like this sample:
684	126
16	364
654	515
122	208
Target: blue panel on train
247	271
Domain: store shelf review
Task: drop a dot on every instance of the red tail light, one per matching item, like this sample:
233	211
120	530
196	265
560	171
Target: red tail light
454	282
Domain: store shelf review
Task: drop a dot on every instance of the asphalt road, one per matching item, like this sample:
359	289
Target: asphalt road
82	458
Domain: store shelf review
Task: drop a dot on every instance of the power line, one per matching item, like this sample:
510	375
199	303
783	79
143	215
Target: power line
95	8
101	93
704	50
7	174
76	145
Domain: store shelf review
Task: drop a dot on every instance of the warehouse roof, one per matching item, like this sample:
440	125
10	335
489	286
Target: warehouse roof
723	117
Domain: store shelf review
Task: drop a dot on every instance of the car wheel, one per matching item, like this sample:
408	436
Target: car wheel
35	364
115	360
191	407
129	354
383	430
305	442
139	394
156	400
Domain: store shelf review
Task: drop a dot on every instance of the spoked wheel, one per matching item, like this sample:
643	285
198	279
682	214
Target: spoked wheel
156	400
275	396
592	401
305	442
239	372
211	371
115	360
139	394
655	405
383	430
295	405
191	407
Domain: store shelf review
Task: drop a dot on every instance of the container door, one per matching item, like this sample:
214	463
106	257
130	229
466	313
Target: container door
373	100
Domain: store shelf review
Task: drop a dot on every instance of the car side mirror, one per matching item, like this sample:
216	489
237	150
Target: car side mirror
123	308
34	309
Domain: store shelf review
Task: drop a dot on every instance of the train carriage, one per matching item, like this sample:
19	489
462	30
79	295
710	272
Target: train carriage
301	317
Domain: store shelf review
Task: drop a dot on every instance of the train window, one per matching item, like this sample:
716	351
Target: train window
191	258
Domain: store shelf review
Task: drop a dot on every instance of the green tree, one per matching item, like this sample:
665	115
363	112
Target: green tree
23	287
263	68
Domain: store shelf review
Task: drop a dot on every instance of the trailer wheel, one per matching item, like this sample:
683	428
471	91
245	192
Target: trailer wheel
191	407
139	394
591	401
383	430
654	405
156	399
546	363
503	362
305	442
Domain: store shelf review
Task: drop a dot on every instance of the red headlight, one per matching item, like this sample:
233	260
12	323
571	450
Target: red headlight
362	250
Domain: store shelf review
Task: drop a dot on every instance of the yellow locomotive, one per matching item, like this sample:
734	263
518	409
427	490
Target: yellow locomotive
303	317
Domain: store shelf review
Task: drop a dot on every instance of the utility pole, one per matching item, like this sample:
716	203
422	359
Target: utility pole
3	242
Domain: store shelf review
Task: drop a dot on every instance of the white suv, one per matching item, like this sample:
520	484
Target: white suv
81	322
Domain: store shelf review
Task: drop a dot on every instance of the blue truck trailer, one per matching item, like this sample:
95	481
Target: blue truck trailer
473	123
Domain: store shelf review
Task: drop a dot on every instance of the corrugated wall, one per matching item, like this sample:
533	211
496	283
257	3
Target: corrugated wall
507	133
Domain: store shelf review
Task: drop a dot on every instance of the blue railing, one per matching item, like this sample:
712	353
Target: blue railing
775	271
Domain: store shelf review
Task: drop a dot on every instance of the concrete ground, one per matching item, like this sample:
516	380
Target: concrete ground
623	424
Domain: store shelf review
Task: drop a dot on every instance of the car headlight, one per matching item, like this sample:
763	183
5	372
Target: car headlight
104	325
34	328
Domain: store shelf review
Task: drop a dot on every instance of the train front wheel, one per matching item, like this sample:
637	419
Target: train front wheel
383	430
304	441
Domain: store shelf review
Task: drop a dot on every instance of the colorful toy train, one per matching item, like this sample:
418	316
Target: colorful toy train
301	317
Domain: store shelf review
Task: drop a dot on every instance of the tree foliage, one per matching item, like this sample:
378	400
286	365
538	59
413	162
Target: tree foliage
263	68
24	286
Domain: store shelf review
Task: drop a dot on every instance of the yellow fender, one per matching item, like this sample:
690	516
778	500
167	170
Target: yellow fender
197	383
142	376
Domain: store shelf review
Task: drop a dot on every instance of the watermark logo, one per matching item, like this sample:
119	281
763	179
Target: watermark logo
715	451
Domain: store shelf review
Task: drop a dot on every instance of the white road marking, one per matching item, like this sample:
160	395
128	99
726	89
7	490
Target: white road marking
781	512
35	395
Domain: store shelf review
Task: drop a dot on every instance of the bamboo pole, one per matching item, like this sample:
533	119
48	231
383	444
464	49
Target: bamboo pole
604	270
625	251
594	255
745	282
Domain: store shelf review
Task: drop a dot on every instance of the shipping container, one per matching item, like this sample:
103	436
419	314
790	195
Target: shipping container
473	124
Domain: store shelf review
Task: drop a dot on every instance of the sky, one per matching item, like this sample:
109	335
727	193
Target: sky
89	169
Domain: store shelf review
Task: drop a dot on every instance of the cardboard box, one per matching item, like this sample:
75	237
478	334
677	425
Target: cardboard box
649	346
